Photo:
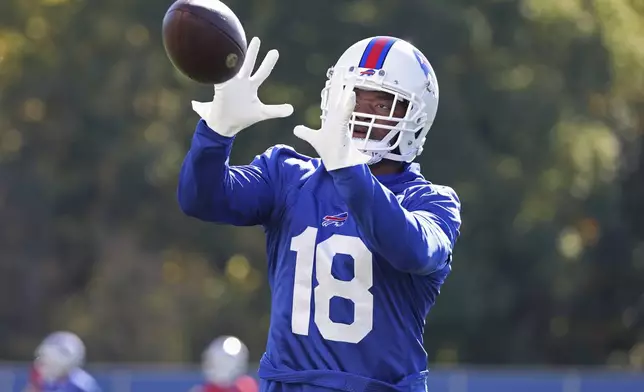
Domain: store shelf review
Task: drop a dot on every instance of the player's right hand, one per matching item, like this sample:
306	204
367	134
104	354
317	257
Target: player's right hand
236	105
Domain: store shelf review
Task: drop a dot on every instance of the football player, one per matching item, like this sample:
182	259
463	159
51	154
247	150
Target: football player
224	365
57	366
358	242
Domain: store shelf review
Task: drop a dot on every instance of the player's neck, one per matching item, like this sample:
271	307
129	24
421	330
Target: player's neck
385	167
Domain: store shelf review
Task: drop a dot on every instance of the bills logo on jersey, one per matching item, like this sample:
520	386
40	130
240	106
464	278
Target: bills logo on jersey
368	72
335	220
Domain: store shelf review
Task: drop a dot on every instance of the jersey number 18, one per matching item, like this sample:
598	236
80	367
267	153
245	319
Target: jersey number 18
356	289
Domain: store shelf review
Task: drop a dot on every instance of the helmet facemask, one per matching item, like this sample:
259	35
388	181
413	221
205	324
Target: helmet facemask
397	143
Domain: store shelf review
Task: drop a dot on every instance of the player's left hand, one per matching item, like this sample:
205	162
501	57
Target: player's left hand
333	141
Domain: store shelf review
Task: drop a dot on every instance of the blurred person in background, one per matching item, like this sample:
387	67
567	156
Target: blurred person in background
224	366
358	242
58	365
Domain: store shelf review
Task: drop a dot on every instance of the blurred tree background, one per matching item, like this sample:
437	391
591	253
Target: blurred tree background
540	130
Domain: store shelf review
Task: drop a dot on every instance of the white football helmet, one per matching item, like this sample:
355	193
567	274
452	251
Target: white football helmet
396	67
225	360
58	354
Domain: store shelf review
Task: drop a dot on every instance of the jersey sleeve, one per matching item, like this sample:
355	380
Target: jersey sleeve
415	235
211	190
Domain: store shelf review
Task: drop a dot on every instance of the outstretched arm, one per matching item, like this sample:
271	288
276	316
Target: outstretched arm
417	238
211	190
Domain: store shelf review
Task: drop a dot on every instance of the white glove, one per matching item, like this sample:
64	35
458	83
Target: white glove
333	142
235	105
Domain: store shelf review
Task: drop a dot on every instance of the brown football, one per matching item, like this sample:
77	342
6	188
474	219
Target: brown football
204	40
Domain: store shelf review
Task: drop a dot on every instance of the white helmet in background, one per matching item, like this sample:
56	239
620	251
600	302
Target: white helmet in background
58	354
396	67
225	360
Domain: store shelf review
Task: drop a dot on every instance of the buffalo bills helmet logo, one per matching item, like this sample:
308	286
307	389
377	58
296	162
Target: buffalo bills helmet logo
424	64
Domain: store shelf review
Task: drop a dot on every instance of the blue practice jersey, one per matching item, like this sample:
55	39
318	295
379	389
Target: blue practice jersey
355	262
78	380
